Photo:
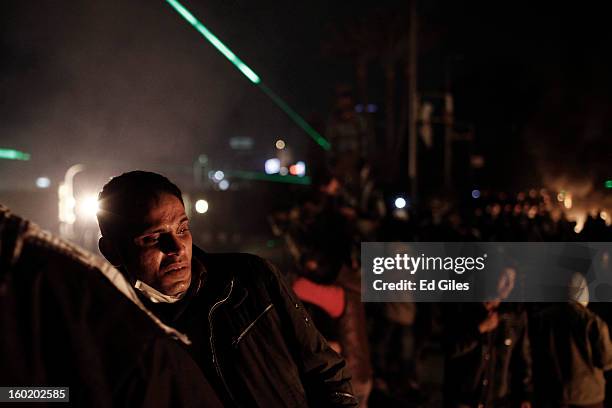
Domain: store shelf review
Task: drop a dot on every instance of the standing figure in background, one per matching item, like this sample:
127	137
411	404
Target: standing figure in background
396	350
350	136
488	360
328	275
571	349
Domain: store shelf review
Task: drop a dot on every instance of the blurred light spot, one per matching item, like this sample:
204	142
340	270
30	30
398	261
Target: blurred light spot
88	206
568	202
608	183
475	193
280	144
201	206
283	171
272	166
241	143
580	219
43	182
401	214
533	211
219	175
224	185
301	168
477	161
371	108
203	159
400	203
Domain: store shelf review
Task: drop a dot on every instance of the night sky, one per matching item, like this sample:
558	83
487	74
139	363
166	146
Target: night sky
128	84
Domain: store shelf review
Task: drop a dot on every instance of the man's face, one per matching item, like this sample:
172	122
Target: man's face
158	249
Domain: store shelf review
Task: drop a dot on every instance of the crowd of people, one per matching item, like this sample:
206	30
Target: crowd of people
496	353
172	325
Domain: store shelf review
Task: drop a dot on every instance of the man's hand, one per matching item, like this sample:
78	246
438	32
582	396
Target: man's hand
490	323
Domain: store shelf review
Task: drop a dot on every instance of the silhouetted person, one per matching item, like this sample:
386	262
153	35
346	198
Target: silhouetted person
572	350
488	360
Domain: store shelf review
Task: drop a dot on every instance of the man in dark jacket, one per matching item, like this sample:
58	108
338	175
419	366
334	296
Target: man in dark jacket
488	360
69	319
571	349
250	334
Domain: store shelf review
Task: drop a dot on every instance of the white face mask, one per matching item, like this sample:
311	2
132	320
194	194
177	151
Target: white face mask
578	289
156	296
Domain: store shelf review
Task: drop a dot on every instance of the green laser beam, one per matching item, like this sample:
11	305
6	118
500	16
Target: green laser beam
321	141
222	48
11	154
248	72
276	178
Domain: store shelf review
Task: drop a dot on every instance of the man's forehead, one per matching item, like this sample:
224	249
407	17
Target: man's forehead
164	206
165	209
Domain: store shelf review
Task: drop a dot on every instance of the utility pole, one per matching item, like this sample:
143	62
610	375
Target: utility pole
67	202
448	128
198	168
413	101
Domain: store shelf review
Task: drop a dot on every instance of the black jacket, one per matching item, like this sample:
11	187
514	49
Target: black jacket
571	349
63	323
492	369
252	337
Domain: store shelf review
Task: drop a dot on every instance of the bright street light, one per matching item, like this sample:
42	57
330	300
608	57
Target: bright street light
88	207
224	185
218	175
272	166
201	206
43	182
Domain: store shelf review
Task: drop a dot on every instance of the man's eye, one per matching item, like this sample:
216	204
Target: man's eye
183	229
150	239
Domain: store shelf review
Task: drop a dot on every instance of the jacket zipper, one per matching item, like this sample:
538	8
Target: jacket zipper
212	340
250	326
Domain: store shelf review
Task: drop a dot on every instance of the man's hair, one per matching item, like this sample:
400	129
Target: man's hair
124	194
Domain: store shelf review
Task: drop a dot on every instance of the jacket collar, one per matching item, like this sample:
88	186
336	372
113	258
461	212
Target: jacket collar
212	276
217	276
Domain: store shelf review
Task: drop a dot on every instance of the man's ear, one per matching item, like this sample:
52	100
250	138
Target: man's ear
110	251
